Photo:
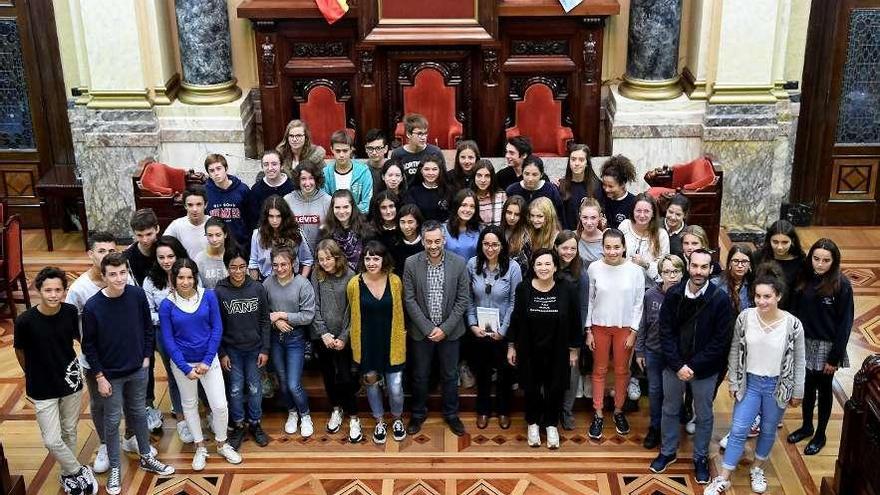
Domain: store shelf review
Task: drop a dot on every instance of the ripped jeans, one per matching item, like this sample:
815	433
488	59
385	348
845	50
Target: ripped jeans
244	380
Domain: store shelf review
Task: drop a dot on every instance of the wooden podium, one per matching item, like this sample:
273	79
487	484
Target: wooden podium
479	58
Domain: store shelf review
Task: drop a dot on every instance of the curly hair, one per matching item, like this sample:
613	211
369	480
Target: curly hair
289	228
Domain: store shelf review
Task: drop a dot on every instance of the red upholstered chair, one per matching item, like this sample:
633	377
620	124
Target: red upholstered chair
430	96
162	180
12	276
701	183
325	115
160	187
539	116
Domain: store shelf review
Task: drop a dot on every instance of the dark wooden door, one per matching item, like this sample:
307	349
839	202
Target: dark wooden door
34	129
837	159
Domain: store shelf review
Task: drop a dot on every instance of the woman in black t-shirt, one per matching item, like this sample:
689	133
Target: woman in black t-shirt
544	336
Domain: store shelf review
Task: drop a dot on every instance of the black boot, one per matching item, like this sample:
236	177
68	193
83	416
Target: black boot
652	439
815	445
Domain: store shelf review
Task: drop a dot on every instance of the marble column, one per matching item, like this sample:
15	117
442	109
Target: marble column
205	52
652	51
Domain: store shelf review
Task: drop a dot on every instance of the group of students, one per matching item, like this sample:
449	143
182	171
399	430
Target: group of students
530	282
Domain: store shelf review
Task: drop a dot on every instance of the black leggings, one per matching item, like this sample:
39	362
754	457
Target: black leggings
817	384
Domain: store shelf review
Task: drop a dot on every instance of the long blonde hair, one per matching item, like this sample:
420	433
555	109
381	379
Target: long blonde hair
546	235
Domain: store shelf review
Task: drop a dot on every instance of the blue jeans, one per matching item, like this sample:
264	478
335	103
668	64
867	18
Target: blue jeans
128	393
654	368
288	357
244	372
394	386
673	396
760	399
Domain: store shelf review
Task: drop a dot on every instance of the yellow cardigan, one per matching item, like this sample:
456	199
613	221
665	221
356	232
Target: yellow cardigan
398	330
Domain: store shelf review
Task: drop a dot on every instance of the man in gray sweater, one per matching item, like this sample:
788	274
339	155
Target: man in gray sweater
244	349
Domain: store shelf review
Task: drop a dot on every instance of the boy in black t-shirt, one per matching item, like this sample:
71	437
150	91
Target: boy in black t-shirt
410	154
43	342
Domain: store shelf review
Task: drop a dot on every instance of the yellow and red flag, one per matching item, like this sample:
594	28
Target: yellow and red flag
333	10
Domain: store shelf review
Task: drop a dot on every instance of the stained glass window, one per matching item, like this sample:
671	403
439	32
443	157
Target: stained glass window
858	119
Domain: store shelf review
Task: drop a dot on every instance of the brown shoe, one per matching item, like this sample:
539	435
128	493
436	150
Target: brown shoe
504	421
482	421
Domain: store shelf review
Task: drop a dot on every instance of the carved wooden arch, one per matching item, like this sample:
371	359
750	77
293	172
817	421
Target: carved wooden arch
340	87
451	71
558	84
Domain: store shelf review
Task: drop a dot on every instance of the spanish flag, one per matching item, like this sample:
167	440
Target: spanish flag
333	10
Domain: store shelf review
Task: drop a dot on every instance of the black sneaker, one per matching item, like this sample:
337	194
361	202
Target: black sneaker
86	479
595	431
397	430
455	425
71	484
415	425
236	436
379	433
661	462
701	470
652	439
152	465
259	435
621	424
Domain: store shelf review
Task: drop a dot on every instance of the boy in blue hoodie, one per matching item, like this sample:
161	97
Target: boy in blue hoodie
227	198
344	173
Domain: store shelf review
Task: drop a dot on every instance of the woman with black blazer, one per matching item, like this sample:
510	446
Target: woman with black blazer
543	340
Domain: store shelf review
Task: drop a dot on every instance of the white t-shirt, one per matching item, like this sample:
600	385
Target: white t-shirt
767	348
191	236
343	181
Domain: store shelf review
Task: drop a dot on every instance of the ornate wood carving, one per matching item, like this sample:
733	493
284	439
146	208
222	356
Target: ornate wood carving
451	71
539	47
490	68
267	61
313	49
340	87
591	69
557	84
366	67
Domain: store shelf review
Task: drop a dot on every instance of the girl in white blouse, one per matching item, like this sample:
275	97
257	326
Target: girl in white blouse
646	240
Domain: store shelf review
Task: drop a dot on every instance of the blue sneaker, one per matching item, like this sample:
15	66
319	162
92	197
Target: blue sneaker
661	462
701	470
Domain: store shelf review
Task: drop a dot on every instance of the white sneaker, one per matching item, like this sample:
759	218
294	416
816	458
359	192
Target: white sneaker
588	386
154	419
717	486
354	430
534	436
335	421
634	390
691	426
552	438
102	461
579	389
130	445
183	432
466	378
759	481
723	442
292	421
229	453
200	458
306	428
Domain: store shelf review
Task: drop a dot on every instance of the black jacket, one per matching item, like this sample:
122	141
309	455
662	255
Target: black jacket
828	318
709	330
245	314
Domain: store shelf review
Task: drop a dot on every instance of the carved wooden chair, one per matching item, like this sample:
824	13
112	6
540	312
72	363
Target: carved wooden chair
430	96
325	115
12	275
539	116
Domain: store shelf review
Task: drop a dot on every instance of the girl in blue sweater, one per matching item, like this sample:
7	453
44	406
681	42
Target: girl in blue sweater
191	329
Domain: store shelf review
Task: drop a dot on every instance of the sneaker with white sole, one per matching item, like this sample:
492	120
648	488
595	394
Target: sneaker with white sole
114	481
152	465
691	426
379	433
398	431
183	432
533	436
102	461
200	458
552	438
723	442
335	421
87	481
755	429
130	445
354	430
759	481
717	486
154	419
70	484
230	454
290	426
306	428
634	390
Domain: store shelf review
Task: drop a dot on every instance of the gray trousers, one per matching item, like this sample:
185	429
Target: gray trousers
128	393
673	397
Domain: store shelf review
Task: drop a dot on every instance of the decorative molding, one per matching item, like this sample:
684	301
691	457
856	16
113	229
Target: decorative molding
696	90
557	84
594	22
538	47
267	61
366	67
451	71
308	49
165	94
106	99
591	57
264	25
490	68
340	87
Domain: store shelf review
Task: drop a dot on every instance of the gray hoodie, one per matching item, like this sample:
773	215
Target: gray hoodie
332	314
309	213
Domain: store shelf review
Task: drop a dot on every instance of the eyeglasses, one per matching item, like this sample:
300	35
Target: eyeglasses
491	245
420	134
670	272
297	136
741	262
375	149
